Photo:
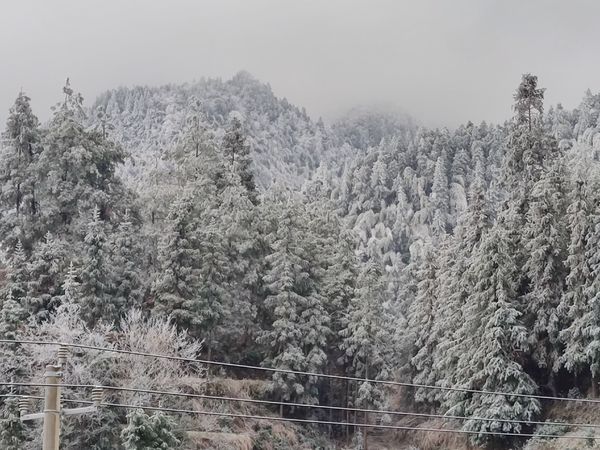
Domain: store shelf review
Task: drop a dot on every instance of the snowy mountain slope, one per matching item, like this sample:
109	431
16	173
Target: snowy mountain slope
286	144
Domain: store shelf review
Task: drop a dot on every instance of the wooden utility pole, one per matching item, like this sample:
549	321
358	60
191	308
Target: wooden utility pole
52	404
366	428
51	433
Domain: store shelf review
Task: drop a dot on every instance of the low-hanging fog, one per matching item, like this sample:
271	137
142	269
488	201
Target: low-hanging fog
424	57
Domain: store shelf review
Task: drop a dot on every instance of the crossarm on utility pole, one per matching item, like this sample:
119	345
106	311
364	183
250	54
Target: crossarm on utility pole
52	404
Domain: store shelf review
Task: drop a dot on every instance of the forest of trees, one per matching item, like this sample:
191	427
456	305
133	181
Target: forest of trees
372	248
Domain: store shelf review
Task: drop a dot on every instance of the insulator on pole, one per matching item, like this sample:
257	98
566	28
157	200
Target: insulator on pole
24	404
63	353
97	395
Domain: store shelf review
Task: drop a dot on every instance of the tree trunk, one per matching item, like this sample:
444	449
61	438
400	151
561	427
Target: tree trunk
552	383
209	354
594	386
33	205
18	199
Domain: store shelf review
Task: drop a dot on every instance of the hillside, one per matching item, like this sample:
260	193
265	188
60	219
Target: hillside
214	221
286	145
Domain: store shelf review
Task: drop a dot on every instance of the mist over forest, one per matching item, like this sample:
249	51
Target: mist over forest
276	225
217	221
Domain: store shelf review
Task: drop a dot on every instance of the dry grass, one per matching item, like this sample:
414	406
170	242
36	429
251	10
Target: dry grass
435	440
202	440
227	433
574	413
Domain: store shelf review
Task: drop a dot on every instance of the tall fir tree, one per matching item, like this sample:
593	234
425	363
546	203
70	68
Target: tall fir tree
18	274
177	286
47	267
19	182
367	338
126	255
494	360
78	168
237	154
440	199
298	325
12	316
456	282
96	288
574	301
244	248
421	320
544	245
214	291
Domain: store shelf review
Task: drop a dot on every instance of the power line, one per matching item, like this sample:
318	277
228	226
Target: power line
303	373
361	425
303	405
327	422
35	397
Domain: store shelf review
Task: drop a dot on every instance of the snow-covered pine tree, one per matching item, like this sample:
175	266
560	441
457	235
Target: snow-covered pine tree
196	153
456	282
20	149
214	288
70	287
590	321
144	432
494	358
298	325
574	302
580	305
421	319
13	434
47	267
77	168
237	154
380	181
96	286
366	336
244	249
126	255
177	285
18	274
12	316
544	239
339	279
529	148
439	199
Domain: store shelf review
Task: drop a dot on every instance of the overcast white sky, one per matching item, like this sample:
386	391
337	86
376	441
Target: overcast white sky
443	61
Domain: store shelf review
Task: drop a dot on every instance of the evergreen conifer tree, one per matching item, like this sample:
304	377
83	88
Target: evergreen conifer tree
545	238
95	293
47	267
421	321
299	325
177	286
494	358
574	303
237	154
77	168
366	338
19	183
13	434
144	432
127	253
18	275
